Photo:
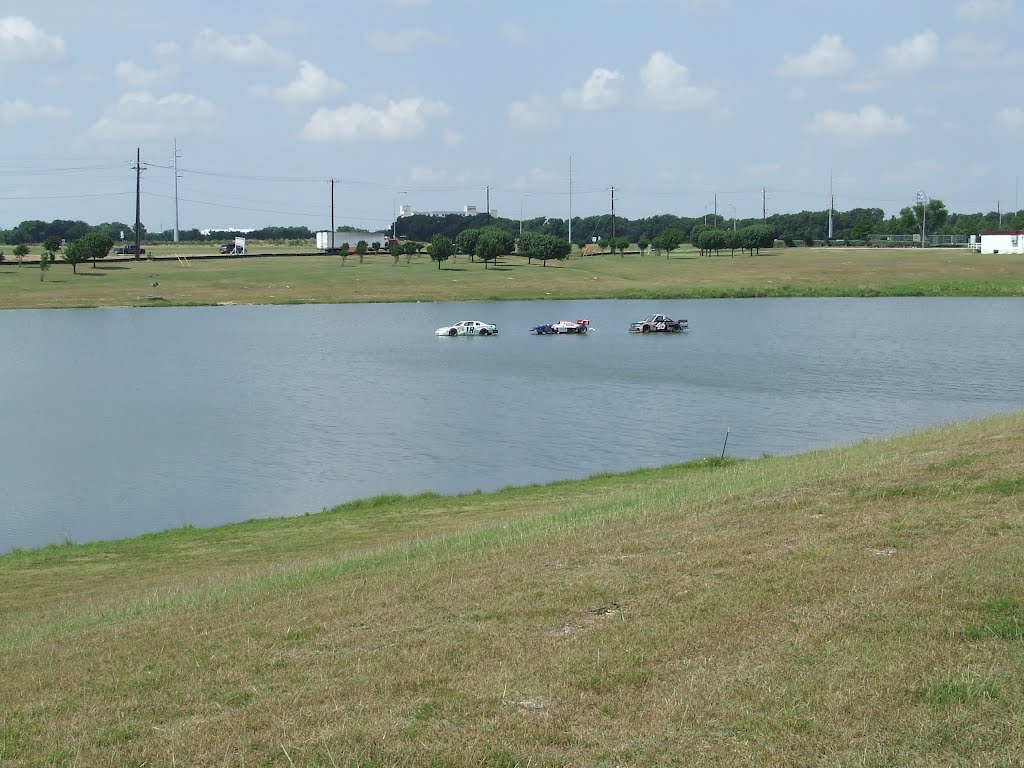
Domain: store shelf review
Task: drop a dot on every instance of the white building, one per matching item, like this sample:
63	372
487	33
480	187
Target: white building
1005	241
467	210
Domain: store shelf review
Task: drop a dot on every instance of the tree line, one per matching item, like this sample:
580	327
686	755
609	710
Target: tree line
806	226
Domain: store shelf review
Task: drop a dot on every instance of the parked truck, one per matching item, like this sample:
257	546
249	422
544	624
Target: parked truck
331	242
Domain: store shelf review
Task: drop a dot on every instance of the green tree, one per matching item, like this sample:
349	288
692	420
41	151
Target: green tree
643	243
733	240
441	249
758	236
908	222
93	245
863	229
603	243
74	254
620	244
51	245
44	264
937	215
21	251
344	247
361	248
466	241
712	240
669	240
410	248
695	231
376	246
536	245
492	244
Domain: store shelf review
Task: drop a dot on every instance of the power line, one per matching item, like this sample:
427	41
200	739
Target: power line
66	197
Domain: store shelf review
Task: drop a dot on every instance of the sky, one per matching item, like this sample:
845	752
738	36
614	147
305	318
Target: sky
680	106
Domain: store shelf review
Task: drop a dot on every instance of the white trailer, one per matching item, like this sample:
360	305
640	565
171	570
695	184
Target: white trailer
331	242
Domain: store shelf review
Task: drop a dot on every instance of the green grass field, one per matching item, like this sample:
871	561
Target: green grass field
862	606
323	279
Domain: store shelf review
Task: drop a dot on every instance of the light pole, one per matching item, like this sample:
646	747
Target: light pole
922	200
733	216
705	214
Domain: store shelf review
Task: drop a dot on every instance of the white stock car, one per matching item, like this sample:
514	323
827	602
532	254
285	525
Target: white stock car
468	328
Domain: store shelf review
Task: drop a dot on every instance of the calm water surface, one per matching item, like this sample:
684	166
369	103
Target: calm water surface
121	421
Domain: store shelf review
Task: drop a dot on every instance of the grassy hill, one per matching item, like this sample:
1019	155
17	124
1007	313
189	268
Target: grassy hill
859	606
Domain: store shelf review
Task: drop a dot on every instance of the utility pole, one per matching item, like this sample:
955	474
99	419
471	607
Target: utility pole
764	205
831	205
177	175
922	200
138	202
716	210
570	201
332	183
488	189
613	212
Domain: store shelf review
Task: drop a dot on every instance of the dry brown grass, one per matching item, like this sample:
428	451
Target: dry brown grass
861	606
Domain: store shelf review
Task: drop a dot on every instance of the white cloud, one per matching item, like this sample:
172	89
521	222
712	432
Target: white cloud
828	57
140	115
135	77
17	111
310	84
602	90
1010	119
535	114
239	49
913	54
870	122
21	39
389	41
667	85
402	119
984	9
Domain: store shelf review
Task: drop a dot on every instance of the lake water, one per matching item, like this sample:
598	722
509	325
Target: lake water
120	421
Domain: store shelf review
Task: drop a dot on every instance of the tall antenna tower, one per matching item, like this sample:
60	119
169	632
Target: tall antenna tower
138	168
831	204
613	212
570	201
177	175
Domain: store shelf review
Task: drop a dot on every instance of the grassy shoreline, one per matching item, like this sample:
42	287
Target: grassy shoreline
322	279
854	606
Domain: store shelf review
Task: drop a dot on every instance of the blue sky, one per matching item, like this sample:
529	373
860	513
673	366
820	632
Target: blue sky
675	103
